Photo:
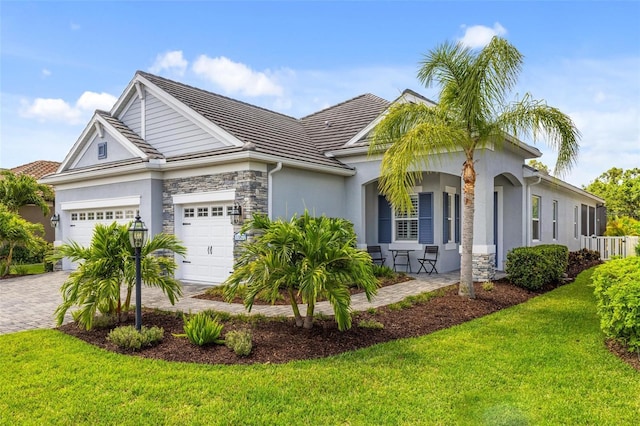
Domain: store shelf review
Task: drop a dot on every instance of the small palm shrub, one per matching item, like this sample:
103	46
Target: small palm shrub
239	341
202	330
128	338
617	291
383	271
372	324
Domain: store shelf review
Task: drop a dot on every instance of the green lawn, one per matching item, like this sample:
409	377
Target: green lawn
31	269
542	362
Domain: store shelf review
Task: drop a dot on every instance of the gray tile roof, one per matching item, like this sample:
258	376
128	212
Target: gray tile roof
333	127
140	143
270	132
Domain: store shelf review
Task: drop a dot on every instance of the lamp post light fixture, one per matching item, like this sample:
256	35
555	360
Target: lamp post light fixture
55	220
236	214
137	238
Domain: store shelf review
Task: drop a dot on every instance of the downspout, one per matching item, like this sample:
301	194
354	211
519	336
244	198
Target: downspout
270	189
528	212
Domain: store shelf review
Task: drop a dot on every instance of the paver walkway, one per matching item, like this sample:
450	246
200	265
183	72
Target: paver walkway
29	302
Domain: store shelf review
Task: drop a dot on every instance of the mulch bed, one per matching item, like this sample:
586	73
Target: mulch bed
279	341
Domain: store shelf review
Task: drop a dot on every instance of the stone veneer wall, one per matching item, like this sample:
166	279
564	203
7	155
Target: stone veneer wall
250	186
484	266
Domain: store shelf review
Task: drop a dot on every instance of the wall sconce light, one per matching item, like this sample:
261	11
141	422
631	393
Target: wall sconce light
236	214
55	220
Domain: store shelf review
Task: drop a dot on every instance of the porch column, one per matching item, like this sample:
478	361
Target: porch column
484	249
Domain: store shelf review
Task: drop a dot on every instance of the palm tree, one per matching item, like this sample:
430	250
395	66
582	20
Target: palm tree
310	256
20	190
472	114
108	264
17	232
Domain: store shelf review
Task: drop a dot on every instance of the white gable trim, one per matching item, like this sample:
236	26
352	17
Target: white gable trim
101	203
206	125
205	197
404	98
99	122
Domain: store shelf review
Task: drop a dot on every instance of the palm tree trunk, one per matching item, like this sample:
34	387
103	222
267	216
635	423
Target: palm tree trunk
308	320
294	306
466	262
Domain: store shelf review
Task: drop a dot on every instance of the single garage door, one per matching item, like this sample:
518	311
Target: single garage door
207	233
83	221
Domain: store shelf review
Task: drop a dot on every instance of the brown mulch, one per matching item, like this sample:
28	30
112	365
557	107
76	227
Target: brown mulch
279	341
631	358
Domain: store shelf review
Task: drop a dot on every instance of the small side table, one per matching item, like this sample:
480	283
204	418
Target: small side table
401	258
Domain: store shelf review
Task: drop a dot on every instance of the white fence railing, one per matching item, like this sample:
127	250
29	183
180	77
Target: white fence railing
611	246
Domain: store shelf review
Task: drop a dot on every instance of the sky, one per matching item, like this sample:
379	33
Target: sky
59	61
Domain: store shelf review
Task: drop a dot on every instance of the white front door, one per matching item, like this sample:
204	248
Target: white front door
206	231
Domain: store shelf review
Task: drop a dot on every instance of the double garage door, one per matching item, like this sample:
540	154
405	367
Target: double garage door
82	222
206	231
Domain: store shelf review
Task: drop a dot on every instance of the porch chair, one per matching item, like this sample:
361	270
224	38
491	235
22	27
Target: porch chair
376	255
429	259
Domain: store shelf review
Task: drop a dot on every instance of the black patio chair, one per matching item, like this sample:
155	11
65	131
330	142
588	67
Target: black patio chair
376	255
428	260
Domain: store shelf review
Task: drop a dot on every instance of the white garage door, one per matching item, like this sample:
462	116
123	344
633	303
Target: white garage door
207	233
83	221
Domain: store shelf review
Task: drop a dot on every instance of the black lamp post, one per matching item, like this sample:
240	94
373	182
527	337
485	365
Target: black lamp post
236	214
137	237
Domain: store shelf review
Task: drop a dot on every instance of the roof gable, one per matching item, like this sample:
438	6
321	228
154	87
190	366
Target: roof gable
37	169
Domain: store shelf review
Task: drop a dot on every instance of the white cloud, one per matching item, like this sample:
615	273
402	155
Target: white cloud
74	26
58	110
602	98
479	36
172	61
236	78
46	72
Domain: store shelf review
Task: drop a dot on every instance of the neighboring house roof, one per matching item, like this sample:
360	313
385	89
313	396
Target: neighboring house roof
37	169
140	143
333	127
270	132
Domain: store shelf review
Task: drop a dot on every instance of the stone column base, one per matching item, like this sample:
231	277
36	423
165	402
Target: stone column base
484	266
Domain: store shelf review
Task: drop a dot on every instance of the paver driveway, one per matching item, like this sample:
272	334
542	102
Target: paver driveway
29	302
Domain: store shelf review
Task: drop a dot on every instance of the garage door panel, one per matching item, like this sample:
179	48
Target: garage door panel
207	233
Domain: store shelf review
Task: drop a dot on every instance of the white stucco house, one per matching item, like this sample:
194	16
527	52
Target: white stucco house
185	158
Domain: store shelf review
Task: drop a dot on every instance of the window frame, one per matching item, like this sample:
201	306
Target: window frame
408	217
102	150
536	220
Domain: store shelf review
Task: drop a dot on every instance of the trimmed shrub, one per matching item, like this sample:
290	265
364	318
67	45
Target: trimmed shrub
582	260
239	341
534	267
128	338
202	330
617	291
382	271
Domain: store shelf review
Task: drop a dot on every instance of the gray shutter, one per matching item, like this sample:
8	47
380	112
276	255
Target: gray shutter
425	218
384	220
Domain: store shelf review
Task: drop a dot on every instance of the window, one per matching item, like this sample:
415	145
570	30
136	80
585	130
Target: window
91	216
555	219
584	219
592	220
74	216
83	216
420	222
535	218
229	210
108	215
189	212
102	150
575	222
129	214
119	214
217	211
451	217
406	223
99	215
203	211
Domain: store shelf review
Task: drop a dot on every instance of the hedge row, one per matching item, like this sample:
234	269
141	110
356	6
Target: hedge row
534	267
617	291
